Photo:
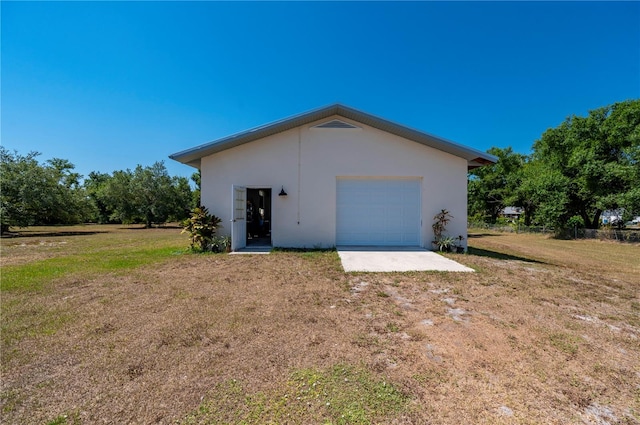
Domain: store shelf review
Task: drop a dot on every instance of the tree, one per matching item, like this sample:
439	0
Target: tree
120	199
96	185
148	195
196	178
34	193
67	198
491	187
182	200
544	194
153	190
598	157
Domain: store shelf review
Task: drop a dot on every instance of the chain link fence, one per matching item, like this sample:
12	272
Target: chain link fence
621	235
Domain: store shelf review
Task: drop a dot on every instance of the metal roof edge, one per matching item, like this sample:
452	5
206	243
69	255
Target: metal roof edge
189	155
416	135
192	156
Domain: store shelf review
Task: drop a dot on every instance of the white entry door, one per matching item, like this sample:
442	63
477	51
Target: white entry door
238	217
378	212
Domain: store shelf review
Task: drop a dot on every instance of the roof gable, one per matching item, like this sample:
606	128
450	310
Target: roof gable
475	158
334	124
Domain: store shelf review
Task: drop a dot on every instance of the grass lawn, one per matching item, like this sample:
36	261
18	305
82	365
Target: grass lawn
113	324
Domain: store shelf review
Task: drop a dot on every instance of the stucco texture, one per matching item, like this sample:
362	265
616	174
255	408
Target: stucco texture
308	162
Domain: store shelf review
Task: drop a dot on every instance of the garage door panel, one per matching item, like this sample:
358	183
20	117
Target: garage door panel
378	212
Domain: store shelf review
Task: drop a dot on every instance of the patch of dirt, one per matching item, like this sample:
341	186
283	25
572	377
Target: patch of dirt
145	348
500	346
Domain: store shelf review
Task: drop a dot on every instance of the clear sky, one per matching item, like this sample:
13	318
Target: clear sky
109	85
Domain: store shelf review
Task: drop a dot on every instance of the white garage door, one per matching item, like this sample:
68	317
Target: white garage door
378	212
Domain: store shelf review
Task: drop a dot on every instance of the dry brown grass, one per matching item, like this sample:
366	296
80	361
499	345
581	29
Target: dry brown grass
546	331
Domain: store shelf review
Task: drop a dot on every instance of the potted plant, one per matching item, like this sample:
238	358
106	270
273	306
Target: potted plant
439	226
440	223
221	244
446	244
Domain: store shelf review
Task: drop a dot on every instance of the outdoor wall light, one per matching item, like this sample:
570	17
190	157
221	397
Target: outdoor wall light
282	192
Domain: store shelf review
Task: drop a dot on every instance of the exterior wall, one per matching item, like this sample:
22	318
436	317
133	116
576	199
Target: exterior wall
307	162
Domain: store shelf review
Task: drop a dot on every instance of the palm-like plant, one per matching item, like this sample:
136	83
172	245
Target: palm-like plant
201	227
440	223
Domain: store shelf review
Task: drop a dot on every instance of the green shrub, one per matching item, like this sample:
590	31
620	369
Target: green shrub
439	225
201	227
502	221
220	243
575	221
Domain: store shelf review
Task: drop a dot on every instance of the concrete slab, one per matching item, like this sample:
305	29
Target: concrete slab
395	259
253	249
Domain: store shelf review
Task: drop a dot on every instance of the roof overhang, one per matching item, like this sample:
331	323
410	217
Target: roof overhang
192	157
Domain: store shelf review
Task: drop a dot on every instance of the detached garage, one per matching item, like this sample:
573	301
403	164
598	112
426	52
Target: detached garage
334	176
378	212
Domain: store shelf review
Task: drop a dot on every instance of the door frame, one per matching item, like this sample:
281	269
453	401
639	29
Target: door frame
238	217
239	221
270	189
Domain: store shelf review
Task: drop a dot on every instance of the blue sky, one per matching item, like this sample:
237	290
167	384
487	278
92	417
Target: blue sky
109	85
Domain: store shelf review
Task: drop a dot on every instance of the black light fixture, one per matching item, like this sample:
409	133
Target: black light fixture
282	192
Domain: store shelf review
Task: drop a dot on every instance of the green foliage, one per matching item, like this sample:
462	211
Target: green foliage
442	242
582	167
220	243
502	221
51	193
95	186
196	178
446	243
147	194
548	191
35	275
439	226
565	342
575	221
596	160
340	395
33	193
201	227
491	187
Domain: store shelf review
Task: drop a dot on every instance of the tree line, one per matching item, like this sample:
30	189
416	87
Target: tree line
51	192
575	172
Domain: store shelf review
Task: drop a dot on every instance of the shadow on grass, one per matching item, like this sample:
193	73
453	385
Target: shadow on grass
36	234
499	255
482	235
281	249
154	226
142	227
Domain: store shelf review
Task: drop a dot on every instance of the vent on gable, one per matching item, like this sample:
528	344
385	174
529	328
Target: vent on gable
335	124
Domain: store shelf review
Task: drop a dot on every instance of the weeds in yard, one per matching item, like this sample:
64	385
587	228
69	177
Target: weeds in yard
9	399
366	341
431	376
550	341
38	320
66	419
392	327
340	395
33	276
565	342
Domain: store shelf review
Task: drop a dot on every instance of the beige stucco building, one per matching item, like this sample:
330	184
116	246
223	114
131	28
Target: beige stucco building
334	176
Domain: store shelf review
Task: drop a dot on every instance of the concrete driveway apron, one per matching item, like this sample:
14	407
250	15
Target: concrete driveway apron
395	259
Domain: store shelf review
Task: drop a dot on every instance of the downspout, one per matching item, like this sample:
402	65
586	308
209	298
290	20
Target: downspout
299	158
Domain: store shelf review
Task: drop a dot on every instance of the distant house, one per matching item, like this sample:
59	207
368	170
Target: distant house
611	217
334	176
512	213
